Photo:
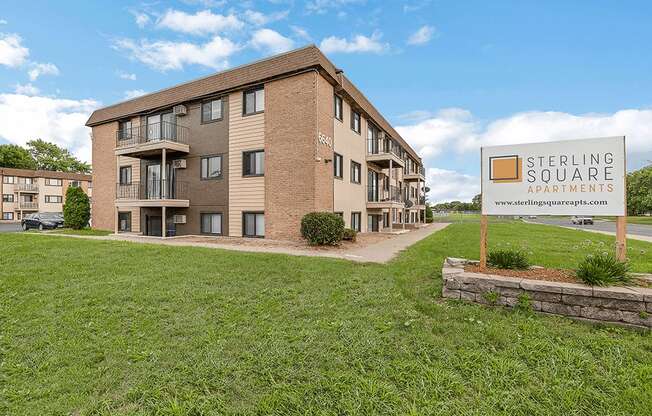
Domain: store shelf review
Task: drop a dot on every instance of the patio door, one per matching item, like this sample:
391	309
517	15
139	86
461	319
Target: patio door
153	181
154	127
372	223
372	186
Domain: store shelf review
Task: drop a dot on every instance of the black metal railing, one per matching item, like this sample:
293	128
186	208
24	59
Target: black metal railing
381	194
379	146
152	132
152	189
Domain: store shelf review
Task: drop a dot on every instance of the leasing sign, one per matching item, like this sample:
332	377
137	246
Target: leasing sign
573	177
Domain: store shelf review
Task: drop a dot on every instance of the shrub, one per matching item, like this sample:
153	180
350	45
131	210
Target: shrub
603	270
77	209
349	234
322	228
508	259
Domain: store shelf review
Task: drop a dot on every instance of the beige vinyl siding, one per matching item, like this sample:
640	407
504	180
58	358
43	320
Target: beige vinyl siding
245	193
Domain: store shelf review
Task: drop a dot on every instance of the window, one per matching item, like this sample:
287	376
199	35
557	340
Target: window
53	182
338	161
211	223
8	198
75	184
124	222
253	224
254	101
125	130
253	163
7	215
8	179
211	167
355	121
341	214
338	108
125	175
355	172
355	221
53	199
211	111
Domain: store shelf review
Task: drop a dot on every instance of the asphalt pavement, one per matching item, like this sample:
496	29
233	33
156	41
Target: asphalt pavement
9	227
598	225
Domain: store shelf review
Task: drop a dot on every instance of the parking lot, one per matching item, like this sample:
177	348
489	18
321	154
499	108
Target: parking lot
598	225
9	227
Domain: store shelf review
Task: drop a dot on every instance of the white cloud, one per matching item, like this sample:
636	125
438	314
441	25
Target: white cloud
167	55
3	22
259	19
126	75
322	6
23	118
359	43
271	41
301	33
39	69
26	89
421	36
201	23
142	19
449	185
12	52
129	94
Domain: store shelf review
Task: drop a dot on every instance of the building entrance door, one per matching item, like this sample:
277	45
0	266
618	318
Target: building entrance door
154	225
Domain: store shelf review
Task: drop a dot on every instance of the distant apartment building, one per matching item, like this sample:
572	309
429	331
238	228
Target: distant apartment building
30	191
251	150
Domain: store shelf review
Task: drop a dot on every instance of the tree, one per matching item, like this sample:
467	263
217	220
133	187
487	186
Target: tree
639	191
77	209
476	202
49	156
429	216
14	156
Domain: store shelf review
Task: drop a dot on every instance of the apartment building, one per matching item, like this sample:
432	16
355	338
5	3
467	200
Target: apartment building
249	151
29	191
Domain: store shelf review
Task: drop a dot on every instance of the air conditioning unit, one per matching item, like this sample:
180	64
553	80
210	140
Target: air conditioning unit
179	163
179	219
180	110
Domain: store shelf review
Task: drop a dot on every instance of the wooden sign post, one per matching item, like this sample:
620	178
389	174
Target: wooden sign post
483	242
621	238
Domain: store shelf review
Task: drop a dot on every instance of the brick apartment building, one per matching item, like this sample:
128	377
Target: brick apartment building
30	191
249	151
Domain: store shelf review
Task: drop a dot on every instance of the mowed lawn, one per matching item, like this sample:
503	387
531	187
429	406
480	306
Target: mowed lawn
99	327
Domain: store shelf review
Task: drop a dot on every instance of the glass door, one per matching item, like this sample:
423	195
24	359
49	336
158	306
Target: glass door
153	182
168	127
372	186
154	127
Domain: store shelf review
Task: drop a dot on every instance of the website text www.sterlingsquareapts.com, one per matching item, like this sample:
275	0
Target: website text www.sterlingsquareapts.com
551	203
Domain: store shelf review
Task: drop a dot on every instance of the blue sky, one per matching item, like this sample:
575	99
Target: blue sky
451	75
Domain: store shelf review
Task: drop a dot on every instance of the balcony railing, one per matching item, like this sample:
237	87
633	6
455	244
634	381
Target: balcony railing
27	187
378	146
376	194
28	205
152	132
154	189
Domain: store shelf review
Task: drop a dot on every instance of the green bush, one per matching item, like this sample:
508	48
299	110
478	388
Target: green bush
77	209
349	234
603	270
322	228
508	259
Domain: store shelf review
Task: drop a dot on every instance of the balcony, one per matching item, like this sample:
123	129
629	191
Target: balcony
155	193
27	188
384	198
150	139
418	175
28	206
381	150
418	202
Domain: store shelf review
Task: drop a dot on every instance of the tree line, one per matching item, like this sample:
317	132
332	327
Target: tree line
41	155
639	191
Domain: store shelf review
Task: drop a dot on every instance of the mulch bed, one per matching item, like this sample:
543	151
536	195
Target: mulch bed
551	275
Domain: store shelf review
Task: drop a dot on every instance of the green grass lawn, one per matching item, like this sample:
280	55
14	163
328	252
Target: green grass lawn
83	231
103	327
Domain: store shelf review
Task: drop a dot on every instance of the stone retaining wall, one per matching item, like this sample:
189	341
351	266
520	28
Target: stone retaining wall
617	304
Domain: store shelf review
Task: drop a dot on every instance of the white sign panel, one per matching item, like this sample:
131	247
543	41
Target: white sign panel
573	177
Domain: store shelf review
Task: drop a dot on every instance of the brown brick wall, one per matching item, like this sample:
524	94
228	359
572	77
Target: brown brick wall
104	176
291	149
324	187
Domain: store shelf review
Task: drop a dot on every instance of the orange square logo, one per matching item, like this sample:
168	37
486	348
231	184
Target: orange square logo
505	169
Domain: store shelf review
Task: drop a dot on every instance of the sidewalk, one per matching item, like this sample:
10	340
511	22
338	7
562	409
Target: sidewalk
380	252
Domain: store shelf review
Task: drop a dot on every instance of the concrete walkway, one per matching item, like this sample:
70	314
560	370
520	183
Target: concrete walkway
380	252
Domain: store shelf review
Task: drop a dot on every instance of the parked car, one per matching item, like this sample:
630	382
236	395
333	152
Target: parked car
582	220
42	221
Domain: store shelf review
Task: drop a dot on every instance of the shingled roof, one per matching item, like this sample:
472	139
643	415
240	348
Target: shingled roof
298	60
